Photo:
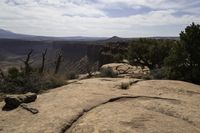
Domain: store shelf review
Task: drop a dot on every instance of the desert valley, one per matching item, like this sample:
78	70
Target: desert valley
99	66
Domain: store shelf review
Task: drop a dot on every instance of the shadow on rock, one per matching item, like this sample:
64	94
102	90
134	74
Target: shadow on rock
8	107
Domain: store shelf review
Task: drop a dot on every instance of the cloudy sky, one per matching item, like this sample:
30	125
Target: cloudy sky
100	18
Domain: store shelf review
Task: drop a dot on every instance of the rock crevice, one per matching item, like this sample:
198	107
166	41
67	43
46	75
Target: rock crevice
85	111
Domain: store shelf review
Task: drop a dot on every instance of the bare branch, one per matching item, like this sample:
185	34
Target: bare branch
58	61
27	62
43	61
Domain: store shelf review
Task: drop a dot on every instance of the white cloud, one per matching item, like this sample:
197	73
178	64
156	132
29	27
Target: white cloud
82	17
154	4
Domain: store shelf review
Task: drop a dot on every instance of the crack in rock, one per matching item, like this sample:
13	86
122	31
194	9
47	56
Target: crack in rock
169	114
70	124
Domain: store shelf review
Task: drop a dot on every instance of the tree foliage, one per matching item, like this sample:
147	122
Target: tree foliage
190	39
184	59
149	52
179	60
176	62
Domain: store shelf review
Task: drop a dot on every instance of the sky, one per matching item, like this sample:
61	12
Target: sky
99	18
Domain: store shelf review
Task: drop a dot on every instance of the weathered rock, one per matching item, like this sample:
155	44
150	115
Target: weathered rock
13	101
123	69
29	97
99	106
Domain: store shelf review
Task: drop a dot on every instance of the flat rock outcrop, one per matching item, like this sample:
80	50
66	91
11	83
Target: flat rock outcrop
99	106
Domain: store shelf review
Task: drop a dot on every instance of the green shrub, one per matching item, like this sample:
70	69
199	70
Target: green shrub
108	72
183	61
53	81
72	75
37	83
13	72
16	81
118	57
158	73
149	52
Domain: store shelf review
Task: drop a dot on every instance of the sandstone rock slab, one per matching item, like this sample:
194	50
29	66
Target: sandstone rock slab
98	105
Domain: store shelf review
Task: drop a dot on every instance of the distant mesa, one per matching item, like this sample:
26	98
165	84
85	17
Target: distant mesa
5	34
115	38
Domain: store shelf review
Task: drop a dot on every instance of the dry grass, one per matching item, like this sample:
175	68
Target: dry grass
125	85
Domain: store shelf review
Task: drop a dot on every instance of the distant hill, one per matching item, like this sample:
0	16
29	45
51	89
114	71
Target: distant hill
116	39
5	34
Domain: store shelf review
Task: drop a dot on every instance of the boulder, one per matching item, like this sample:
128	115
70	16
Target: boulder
123	68
29	97
13	101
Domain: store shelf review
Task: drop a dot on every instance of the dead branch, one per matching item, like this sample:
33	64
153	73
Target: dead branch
27	62
43	61
58	62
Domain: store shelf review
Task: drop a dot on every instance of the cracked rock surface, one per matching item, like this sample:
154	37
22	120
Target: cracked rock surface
99	106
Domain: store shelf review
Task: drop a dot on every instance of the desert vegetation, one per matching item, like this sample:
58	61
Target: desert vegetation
108	73
29	78
124	85
167	59
176	59
149	52
183	62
